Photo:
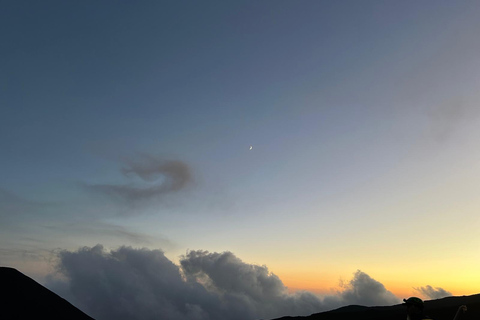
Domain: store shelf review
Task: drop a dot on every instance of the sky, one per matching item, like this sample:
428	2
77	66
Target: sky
326	151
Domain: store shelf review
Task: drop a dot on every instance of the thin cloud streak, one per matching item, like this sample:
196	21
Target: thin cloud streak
449	117
12	205
158	177
100	228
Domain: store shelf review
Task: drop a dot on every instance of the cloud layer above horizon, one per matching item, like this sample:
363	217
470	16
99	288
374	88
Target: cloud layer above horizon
433	293
130	283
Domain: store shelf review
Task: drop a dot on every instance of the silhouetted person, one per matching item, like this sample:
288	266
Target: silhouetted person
414	307
461	310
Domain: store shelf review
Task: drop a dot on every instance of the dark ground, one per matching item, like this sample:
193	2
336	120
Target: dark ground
440	309
23	298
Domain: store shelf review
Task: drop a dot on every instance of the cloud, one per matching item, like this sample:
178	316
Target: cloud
129	283
122	284
446	118
156	177
103	229
246	288
433	293
12	205
363	290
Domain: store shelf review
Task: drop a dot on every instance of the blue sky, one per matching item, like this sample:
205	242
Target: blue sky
362	116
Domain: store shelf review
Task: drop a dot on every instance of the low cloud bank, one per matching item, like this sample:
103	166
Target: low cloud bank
433	293
363	290
130	283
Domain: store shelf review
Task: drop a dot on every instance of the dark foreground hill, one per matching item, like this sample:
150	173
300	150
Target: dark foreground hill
23	298
440	309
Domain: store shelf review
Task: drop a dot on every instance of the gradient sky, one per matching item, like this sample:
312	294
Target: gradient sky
129	123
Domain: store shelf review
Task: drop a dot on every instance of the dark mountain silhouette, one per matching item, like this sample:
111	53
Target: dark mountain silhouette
440	309
23	298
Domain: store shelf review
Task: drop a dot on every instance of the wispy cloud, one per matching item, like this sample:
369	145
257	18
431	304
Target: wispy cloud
157	177
130	283
433	293
448	117
102	229
12	205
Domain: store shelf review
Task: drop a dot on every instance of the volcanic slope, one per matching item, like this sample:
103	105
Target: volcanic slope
23	298
439	309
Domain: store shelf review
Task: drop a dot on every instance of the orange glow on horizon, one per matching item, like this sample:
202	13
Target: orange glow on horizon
402	287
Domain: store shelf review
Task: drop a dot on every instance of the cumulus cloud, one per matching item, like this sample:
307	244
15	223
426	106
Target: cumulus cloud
156	177
249	289
130	283
363	290
433	293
